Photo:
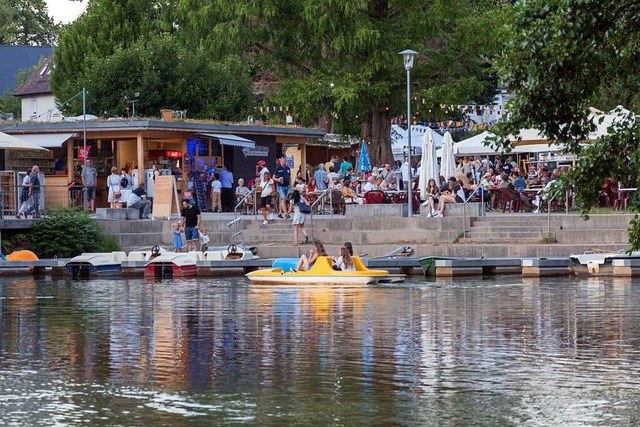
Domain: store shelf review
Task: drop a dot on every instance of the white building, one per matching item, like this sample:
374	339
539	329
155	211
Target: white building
38	102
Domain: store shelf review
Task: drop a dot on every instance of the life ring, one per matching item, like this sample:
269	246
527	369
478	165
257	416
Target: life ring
232	249
155	250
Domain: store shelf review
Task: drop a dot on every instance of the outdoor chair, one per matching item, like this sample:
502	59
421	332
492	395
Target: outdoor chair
510	200
373	197
338	203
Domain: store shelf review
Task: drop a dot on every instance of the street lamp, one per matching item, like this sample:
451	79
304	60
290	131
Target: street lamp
408	65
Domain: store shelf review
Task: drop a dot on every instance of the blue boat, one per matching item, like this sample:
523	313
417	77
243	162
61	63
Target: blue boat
91	265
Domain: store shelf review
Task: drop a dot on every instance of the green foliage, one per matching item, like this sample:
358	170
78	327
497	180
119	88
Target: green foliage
65	233
14	241
341	59
26	22
110	243
129	50
564	57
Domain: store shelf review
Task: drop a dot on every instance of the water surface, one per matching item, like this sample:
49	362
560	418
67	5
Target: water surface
221	352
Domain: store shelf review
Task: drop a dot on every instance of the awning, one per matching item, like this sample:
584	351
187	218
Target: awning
228	139
46	140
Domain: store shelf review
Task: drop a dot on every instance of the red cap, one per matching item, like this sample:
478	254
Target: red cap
262	163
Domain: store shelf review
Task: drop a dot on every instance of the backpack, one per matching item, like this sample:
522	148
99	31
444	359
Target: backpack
124	182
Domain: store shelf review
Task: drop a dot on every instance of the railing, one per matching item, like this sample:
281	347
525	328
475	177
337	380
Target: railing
479	190
236	228
321	199
49	196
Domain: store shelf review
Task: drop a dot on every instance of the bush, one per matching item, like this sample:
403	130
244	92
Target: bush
65	233
110	243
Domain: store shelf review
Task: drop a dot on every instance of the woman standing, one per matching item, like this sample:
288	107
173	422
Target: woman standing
24	195
115	190
299	217
268	189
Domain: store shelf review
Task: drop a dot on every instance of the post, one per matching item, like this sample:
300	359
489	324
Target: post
140	158
407	56
85	201
409	190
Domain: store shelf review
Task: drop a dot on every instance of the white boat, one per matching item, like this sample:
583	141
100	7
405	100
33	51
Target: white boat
597	264
173	264
229	253
97	264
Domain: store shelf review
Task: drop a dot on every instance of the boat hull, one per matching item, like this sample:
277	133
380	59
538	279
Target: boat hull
428	264
591	264
86	270
168	270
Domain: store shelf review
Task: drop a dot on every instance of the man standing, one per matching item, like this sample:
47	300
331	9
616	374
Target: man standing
344	166
190	220
89	178
35	190
321	178
333	162
226	180
282	177
404	170
138	199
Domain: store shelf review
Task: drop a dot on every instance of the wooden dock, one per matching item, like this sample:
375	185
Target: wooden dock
442	268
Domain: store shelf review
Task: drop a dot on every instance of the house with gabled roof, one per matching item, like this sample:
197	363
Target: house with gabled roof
38	102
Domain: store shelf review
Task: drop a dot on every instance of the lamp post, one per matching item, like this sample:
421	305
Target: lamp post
408	65
85	195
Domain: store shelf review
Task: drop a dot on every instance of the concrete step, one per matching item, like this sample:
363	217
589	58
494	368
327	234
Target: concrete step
141	240
507	236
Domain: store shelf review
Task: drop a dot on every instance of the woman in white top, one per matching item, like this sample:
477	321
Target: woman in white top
115	191
298	216
268	189
344	261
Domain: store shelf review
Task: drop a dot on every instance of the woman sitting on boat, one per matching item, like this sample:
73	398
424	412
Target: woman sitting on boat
306	261
344	261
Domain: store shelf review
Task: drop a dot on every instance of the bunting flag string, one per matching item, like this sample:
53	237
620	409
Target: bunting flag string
446	124
276	109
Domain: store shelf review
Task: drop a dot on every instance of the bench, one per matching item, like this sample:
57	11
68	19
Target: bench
118	213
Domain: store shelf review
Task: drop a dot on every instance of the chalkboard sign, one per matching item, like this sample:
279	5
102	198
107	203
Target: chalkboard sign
165	196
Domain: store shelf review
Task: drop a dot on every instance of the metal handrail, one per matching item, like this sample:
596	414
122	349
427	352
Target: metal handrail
318	200
236	220
464	209
249	194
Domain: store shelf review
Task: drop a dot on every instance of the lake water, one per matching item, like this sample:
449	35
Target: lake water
219	352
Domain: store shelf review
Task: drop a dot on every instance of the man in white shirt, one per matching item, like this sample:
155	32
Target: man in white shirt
404	170
370	185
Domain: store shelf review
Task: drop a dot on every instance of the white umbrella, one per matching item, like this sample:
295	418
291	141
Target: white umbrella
448	161
8	142
428	163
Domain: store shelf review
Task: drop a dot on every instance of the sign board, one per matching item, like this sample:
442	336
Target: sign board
82	154
165	196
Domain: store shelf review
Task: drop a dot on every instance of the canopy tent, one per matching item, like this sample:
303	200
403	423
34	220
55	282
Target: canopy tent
8	142
400	140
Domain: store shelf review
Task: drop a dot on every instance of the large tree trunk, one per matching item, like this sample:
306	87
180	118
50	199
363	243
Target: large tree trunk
376	131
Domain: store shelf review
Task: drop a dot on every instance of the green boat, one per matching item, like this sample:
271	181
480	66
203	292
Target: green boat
428	264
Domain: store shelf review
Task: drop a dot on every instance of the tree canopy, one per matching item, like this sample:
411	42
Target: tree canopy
119	48
338	62
565	56
26	22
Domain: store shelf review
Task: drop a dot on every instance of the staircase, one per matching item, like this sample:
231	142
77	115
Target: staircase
514	229
135	233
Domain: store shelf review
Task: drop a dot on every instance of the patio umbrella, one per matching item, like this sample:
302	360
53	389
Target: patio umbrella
448	161
364	165
8	142
428	163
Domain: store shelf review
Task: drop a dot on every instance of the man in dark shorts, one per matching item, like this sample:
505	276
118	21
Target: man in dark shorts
190	220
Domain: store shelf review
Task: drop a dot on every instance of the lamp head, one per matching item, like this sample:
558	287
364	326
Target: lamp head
408	56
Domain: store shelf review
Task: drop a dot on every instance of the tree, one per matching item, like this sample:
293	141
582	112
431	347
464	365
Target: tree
26	22
564	57
339	59
119	48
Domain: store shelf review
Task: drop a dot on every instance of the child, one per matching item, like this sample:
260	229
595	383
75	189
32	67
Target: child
300	184
204	239
177	237
216	193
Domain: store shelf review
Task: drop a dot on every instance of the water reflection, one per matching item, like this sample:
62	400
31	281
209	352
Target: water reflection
496	351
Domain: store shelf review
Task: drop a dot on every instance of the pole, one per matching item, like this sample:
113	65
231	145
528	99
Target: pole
84	143
409	190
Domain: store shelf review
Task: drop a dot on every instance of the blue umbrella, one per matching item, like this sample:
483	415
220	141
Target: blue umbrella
364	165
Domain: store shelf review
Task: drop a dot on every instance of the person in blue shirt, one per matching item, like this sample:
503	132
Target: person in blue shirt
321	178
226	179
344	166
282	177
520	184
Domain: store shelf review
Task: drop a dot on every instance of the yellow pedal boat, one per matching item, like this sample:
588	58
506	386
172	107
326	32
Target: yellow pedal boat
322	272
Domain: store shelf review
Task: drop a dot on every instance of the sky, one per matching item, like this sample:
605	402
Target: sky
65	11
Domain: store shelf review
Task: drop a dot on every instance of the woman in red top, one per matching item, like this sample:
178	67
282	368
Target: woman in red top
311	185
